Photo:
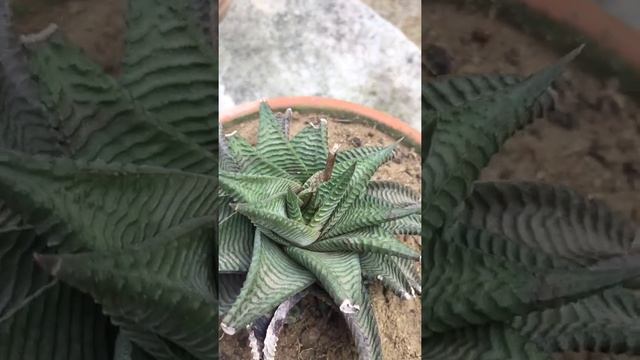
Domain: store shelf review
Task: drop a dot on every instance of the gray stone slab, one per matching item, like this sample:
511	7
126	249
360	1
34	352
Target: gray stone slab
334	48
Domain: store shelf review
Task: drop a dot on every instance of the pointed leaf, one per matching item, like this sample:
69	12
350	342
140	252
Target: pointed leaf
373	240
273	145
339	274
399	275
311	146
446	92
254	188
293	206
329	195
251	161
272	278
467	136
290	230
365	213
359	181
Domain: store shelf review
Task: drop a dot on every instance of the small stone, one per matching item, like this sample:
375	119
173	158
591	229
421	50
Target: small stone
438	60
356	142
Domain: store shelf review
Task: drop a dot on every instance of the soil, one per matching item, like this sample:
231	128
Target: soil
592	143
95	26
320	332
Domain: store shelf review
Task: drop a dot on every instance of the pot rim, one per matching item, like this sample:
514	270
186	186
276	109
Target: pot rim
392	125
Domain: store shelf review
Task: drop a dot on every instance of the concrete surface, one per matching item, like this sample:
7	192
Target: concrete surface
334	48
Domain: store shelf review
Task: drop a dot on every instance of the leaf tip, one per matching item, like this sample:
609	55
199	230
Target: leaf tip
229	330
349	307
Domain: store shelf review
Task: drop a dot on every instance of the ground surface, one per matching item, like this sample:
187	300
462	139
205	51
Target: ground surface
320	332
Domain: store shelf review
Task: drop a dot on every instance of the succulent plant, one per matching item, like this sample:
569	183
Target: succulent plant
112	183
300	213
515	270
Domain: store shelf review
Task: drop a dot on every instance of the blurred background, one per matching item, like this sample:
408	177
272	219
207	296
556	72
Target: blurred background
592	142
367	52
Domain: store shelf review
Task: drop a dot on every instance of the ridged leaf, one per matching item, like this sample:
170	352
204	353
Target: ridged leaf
468	135
169	67
449	91
467	286
251	161
329	196
339	274
272	278
553	219
357	186
393	193
165	285
397	274
606	322
373	240
229	286
236	235
93	205
99	120
274	145
292	231
62	324
21	279
255	188
408	225
364	214
311	146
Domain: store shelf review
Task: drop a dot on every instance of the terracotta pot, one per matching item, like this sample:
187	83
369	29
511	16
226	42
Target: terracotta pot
223	7
595	23
306	104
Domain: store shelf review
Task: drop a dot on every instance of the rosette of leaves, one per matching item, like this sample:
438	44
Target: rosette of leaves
516	270
111	183
299	213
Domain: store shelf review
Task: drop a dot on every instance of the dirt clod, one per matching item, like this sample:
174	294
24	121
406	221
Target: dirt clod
438	60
